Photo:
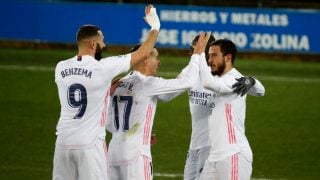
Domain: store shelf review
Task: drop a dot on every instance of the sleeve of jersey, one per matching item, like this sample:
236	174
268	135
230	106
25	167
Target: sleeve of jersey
170	96
110	118
160	86
116	65
213	83
257	90
57	75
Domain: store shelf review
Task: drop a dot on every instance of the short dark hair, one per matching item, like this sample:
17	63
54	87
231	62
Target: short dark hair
134	48
87	31
195	40
227	47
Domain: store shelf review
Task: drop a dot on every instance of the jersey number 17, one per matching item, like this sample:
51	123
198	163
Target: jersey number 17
125	103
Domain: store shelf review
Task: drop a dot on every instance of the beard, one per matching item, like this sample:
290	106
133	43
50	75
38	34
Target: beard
220	69
98	53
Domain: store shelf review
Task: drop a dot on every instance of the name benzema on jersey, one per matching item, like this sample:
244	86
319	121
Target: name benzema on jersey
76	71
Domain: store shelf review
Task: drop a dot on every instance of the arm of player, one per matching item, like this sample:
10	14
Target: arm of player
248	85
188	76
143	52
159	86
257	90
114	85
199	53
170	96
153	140
184	74
213	83
110	118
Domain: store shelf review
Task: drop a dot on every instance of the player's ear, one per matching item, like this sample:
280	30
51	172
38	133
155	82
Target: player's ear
91	44
229	58
146	61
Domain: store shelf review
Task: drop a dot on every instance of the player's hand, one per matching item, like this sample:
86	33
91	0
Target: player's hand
200	47
153	139
115	83
243	85
152	18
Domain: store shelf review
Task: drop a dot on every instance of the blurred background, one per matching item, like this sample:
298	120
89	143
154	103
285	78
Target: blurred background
282	26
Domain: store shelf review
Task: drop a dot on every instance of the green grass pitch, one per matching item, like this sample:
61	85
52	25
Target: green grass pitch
283	127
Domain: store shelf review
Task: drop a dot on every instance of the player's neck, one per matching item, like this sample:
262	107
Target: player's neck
145	72
82	52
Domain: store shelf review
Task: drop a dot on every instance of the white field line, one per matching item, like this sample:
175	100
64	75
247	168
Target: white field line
167	175
27	68
172	74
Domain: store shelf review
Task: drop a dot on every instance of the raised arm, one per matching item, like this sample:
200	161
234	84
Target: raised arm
155	86
213	83
187	77
143	52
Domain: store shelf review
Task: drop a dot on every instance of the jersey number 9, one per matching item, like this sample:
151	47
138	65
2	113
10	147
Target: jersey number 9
77	98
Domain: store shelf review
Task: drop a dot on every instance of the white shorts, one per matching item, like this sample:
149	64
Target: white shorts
81	164
195	162
141	169
235	167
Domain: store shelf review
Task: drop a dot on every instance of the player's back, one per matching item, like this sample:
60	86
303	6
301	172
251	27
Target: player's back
143	92
83	92
82	89
132	114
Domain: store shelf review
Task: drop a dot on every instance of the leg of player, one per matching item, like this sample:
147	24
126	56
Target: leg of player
209	171
91	164
190	168
203	155
141	169
62	167
233	167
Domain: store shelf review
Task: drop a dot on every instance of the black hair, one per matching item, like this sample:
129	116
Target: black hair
134	48
87	31
195	40
227	47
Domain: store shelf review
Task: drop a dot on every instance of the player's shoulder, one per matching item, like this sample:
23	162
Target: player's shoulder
233	73
135	77
118	57
152	80
65	61
237	73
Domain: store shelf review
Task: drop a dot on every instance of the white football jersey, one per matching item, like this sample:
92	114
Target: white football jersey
83	86
227	121
133	108
200	104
